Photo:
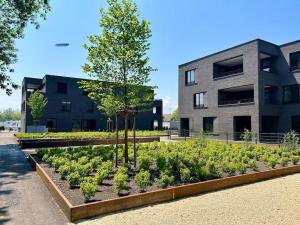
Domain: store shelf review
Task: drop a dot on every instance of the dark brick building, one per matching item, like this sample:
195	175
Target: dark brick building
254	85
70	109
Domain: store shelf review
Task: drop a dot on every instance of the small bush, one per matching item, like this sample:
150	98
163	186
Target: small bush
64	170
230	168
88	190
58	162
253	164
284	161
83	160
45	157
165	180
185	175
101	175
73	179
290	141
142	179
107	165
96	161
242	168
42	152
272	161
161	162
202	173
120	182
295	159
122	169
144	162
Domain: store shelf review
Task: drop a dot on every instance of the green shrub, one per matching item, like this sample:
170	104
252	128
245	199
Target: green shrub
253	164
144	162
57	162
107	165
185	175
142	179
42	152
101	175
122	169
202	173
290	141
45	157
96	161
120	182
73	179
230	168
212	168
284	161
272	161
88	190
242	168
64	170
83	160
84	170
165	180
161	162
295	159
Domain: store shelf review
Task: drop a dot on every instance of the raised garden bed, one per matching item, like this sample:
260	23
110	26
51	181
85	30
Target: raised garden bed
217	166
66	142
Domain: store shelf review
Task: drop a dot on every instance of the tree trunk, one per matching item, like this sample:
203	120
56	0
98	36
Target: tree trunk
126	136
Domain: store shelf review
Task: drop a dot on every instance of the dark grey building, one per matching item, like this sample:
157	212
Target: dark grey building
70	109
254	85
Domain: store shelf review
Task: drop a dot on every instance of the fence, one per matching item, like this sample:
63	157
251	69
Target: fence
266	138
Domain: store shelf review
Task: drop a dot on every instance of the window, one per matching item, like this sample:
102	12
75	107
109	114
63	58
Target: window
291	94
154	110
295	61
51	125
296	123
266	65
190	77
66	106
61	88
199	100
90	107
76	125
208	124
270	94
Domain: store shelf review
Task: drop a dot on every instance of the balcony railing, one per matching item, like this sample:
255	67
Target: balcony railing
228	73
237	102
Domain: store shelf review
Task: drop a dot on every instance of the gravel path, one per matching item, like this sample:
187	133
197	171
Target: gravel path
24	200
270	202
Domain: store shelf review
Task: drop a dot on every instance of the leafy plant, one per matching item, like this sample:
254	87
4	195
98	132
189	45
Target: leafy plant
64	170
185	175
142	179
88	189
83	160
96	161
144	162
295	159
290	141
57	162
284	161
73	179
165	180
101	175
120	182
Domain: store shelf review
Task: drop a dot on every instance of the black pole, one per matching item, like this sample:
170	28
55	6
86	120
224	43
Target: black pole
134	147
117	137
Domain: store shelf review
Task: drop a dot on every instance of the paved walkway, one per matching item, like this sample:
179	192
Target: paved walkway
23	197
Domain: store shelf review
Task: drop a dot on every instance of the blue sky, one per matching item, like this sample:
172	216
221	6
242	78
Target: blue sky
182	31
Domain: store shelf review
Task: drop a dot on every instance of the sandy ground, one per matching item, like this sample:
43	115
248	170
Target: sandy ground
270	202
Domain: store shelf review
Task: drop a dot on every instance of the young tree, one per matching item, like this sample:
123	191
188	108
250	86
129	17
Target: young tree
118	61
14	15
37	103
175	116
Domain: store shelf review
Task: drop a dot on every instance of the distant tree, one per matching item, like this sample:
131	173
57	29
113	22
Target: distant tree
175	115
118	61
14	16
10	114
37	103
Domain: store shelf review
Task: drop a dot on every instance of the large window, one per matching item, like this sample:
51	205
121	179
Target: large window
199	100
208	124
66	106
61	88
296	123
295	61
266	64
190	77
291	94
51	125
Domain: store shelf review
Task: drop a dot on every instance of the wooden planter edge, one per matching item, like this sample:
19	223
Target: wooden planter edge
132	201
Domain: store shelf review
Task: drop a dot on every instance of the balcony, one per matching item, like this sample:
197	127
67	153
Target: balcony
242	95
229	67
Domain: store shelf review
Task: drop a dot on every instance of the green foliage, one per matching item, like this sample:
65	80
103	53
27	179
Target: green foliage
175	115
10	114
64	170
122	169
107	165
284	161
15	15
84	170
96	161
185	175
165	180
144	162
74	179
88	189
101	175
57	162
120	182
37	103
42	152
142	179
290	141
272	160
247	137
253	164
83	160
295	159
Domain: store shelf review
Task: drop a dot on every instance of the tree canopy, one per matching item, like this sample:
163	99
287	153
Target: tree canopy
14	16
10	114
118	61
37	103
175	115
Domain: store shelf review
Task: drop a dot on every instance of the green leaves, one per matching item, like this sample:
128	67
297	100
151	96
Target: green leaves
37	103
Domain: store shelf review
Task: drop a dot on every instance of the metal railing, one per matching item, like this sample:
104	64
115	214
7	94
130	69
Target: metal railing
228	73
237	102
264	138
